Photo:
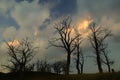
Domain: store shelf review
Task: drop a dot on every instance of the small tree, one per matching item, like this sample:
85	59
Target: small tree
58	67
21	53
64	30
64	62
79	56
43	66
97	38
106	60
80	62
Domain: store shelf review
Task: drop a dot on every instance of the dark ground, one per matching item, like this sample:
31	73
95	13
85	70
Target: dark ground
51	76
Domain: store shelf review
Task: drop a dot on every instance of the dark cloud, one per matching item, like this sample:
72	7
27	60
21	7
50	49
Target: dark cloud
45	24
59	7
7	21
99	8
66	7
23	0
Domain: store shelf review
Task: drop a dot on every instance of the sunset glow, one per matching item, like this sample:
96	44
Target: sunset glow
36	33
72	31
14	43
83	25
83	28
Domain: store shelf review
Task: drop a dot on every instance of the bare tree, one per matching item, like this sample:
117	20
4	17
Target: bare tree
97	37
79	56
43	66
64	30
106	60
81	62
58	67
64	62
20	53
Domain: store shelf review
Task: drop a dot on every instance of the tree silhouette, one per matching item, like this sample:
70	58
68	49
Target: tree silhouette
58	66
97	37
43	66
79	56
20	55
106	60
64	29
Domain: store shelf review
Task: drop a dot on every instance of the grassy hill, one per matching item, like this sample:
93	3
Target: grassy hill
50	76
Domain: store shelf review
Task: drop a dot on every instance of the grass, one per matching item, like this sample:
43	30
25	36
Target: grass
50	76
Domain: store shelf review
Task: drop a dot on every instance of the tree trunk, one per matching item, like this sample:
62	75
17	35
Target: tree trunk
81	69
97	54
107	63
68	64
78	60
109	69
99	64
77	65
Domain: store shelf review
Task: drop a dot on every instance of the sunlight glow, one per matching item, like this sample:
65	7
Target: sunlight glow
36	33
72	31
14	43
83	28
83	25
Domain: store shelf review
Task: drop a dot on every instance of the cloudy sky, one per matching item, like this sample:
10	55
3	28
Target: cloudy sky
35	19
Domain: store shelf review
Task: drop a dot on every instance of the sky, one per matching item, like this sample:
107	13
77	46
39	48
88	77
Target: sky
36	18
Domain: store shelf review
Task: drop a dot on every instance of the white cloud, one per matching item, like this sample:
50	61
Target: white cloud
6	5
9	32
30	15
111	24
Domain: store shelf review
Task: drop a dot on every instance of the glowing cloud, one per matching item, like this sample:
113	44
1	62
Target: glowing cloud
14	43
72	31
35	33
83	27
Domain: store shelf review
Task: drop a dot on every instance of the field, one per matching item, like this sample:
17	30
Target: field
49	76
